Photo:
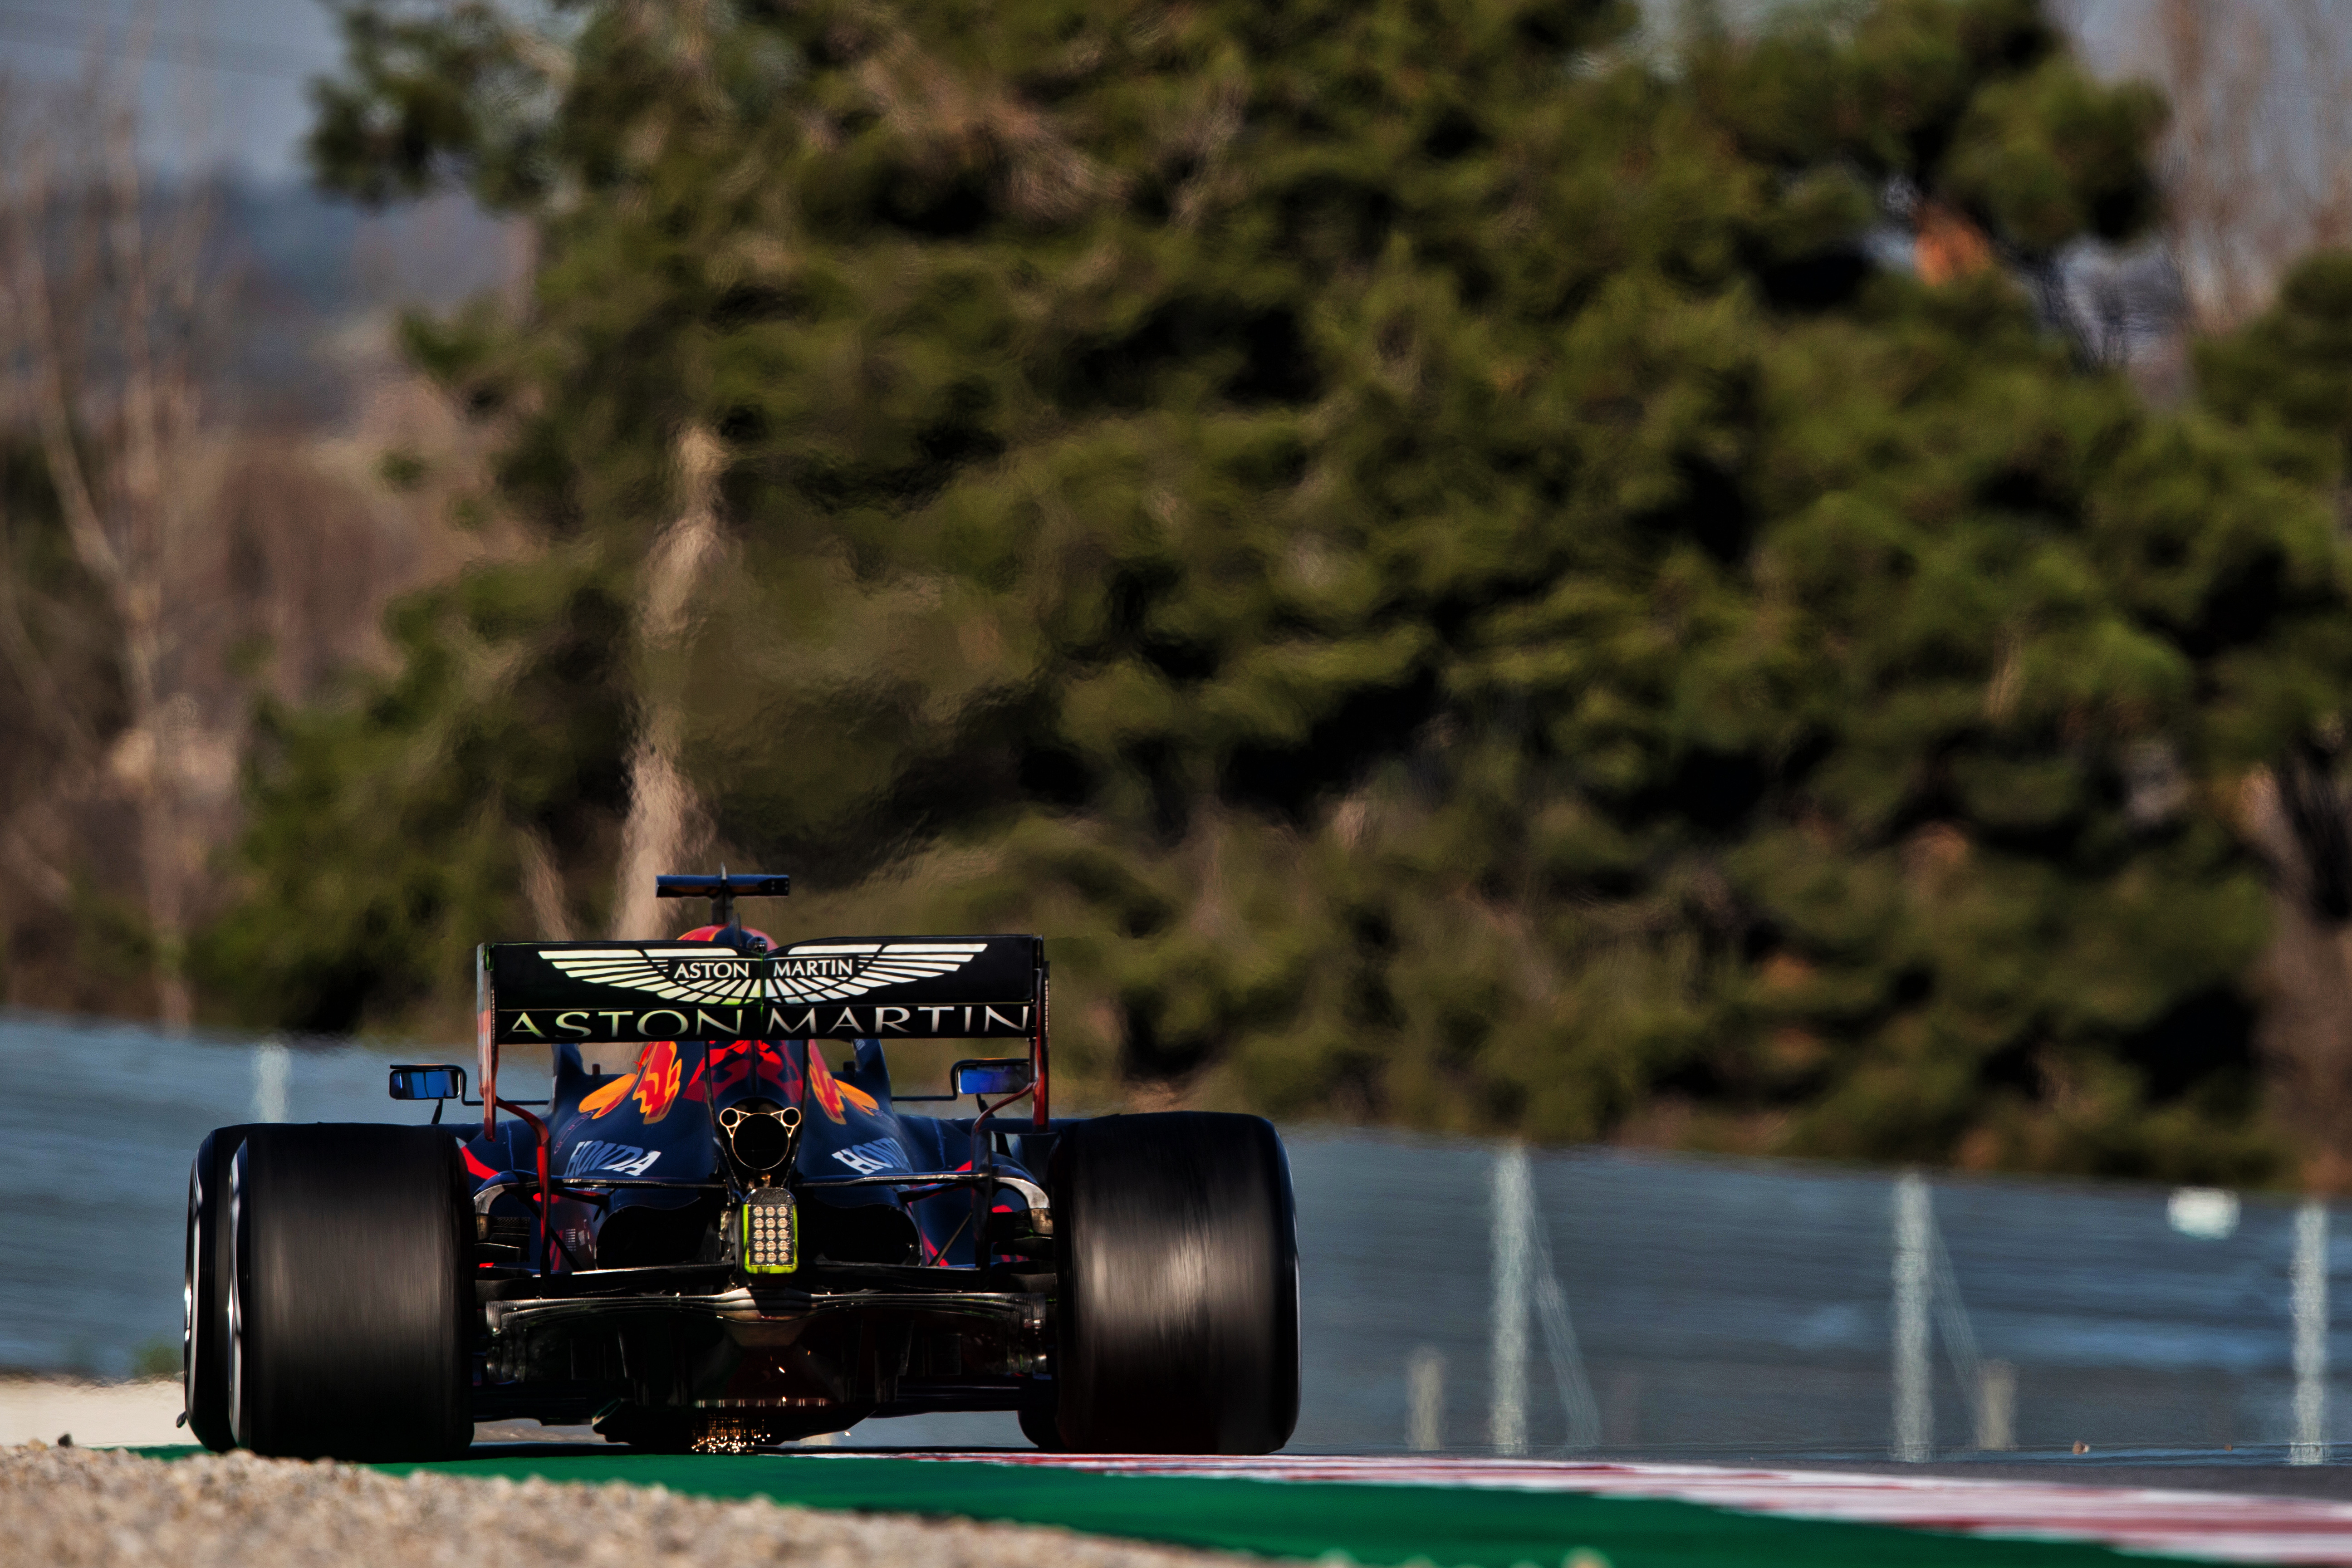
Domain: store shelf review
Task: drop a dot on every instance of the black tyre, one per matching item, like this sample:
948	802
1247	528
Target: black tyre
348	1301
1180	1286
204	1341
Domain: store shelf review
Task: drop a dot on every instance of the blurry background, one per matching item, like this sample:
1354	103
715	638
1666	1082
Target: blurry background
1756	580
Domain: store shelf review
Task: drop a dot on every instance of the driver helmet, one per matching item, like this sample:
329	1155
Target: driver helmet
744	939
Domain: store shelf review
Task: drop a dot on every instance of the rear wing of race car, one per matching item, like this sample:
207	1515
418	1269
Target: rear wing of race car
837	988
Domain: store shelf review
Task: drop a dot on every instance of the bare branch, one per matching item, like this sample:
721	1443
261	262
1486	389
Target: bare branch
2257	161
542	886
28	303
50	705
663	811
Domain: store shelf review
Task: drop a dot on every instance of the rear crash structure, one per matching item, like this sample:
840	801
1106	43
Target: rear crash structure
744	1238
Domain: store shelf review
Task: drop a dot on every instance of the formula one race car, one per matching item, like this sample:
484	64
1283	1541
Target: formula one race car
732	1241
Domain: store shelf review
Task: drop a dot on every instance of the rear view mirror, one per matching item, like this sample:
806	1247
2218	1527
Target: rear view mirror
427	1081
1005	1075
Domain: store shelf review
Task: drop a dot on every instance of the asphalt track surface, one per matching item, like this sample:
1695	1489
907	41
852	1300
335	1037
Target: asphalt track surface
1492	1513
2262	1474
2261	1470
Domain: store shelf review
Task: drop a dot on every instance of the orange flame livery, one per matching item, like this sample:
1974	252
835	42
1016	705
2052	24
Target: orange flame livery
654	1083
657	1080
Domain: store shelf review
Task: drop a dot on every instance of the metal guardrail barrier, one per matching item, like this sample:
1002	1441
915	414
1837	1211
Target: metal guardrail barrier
1696	1305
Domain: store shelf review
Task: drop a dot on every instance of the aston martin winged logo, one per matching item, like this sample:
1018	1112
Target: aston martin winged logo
812	971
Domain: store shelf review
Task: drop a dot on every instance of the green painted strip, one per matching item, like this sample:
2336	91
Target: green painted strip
1372	1524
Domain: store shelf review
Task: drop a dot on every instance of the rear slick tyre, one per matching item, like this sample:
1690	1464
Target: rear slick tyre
347	1302
203	1340
1180	1286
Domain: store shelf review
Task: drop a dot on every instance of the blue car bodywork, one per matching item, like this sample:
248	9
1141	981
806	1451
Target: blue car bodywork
656	1119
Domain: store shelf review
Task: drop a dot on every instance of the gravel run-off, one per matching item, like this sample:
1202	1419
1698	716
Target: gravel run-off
81	1508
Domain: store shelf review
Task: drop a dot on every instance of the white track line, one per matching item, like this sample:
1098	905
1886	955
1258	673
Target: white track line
2226	1526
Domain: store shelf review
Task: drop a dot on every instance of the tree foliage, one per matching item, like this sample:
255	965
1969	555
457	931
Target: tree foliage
1431	550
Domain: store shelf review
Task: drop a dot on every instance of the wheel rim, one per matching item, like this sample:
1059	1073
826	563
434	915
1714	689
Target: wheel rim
237	1423
188	1293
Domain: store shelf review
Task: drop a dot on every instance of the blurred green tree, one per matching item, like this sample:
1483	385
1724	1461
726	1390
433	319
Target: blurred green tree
2283	384
1453	567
